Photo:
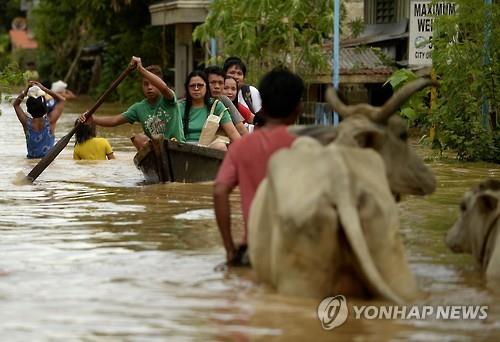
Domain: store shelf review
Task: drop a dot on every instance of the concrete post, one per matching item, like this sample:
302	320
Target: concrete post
183	55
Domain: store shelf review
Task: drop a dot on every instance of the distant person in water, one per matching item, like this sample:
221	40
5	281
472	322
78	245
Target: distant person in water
39	125
245	164
58	87
90	147
157	113
61	87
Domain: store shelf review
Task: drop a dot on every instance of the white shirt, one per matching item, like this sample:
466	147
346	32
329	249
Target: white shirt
256	100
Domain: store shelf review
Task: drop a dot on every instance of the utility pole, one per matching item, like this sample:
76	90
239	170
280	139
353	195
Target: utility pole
485	108
213	50
335	53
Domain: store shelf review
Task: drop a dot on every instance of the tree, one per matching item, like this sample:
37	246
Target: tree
458	57
8	11
63	27
266	33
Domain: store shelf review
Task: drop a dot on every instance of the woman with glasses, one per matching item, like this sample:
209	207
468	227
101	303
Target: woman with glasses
196	109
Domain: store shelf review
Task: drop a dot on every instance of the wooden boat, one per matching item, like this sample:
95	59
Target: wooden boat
164	160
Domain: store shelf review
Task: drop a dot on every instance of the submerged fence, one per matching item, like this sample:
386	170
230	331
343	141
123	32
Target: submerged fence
318	113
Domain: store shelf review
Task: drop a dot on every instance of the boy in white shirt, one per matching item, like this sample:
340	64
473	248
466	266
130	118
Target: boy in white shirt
248	95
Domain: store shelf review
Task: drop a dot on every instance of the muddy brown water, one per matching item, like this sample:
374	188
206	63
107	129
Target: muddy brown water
89	252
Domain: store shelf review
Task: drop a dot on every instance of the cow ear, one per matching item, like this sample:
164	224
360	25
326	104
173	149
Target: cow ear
370	139
487	202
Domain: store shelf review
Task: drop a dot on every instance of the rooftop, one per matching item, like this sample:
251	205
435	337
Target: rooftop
359	65
21	39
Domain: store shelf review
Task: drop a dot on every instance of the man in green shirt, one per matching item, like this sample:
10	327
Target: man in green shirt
158	113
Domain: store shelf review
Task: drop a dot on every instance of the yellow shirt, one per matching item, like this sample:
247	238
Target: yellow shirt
92	149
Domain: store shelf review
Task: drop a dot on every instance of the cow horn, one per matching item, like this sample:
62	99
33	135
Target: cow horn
350	221
336	103
400	97
346	110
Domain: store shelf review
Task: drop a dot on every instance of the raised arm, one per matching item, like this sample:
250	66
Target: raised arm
21	115
155	80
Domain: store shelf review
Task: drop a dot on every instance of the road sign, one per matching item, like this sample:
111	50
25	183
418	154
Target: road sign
422	15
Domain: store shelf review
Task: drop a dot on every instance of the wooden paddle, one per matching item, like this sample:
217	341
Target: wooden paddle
61	144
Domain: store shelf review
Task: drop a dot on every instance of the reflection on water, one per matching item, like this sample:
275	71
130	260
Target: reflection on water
89	252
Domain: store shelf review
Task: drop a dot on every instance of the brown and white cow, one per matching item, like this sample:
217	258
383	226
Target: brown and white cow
477	230
325	221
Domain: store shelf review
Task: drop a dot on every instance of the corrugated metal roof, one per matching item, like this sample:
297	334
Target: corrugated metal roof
363	61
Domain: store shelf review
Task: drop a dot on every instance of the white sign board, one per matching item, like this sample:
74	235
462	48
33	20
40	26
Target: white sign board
422	15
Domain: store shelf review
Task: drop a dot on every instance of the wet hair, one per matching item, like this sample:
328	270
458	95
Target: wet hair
281	92
37	107
215	70
189	99
84	132
155	69
235	61
259	120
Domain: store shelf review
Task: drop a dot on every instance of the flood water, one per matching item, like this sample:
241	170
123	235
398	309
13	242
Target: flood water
89	252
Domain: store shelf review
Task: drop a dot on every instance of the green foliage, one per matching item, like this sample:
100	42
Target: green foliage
266	33
63	27
8	11
11	76
57	30
414	110
124	45
4	43
22	56
356	26
458	58
4	53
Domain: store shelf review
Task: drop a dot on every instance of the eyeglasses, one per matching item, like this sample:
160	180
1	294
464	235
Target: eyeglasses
196	85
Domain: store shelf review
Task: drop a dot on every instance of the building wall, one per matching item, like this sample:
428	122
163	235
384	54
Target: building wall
354	11
401	10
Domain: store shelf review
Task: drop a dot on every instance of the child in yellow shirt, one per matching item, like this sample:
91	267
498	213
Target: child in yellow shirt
88	146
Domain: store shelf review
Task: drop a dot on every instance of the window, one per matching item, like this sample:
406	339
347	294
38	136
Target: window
385	11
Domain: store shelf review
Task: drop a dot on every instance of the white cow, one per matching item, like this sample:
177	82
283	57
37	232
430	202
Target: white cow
378	128
477	230
325	214
324	210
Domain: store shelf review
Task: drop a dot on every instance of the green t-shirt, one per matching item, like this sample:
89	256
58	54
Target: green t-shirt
163	117
198	116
